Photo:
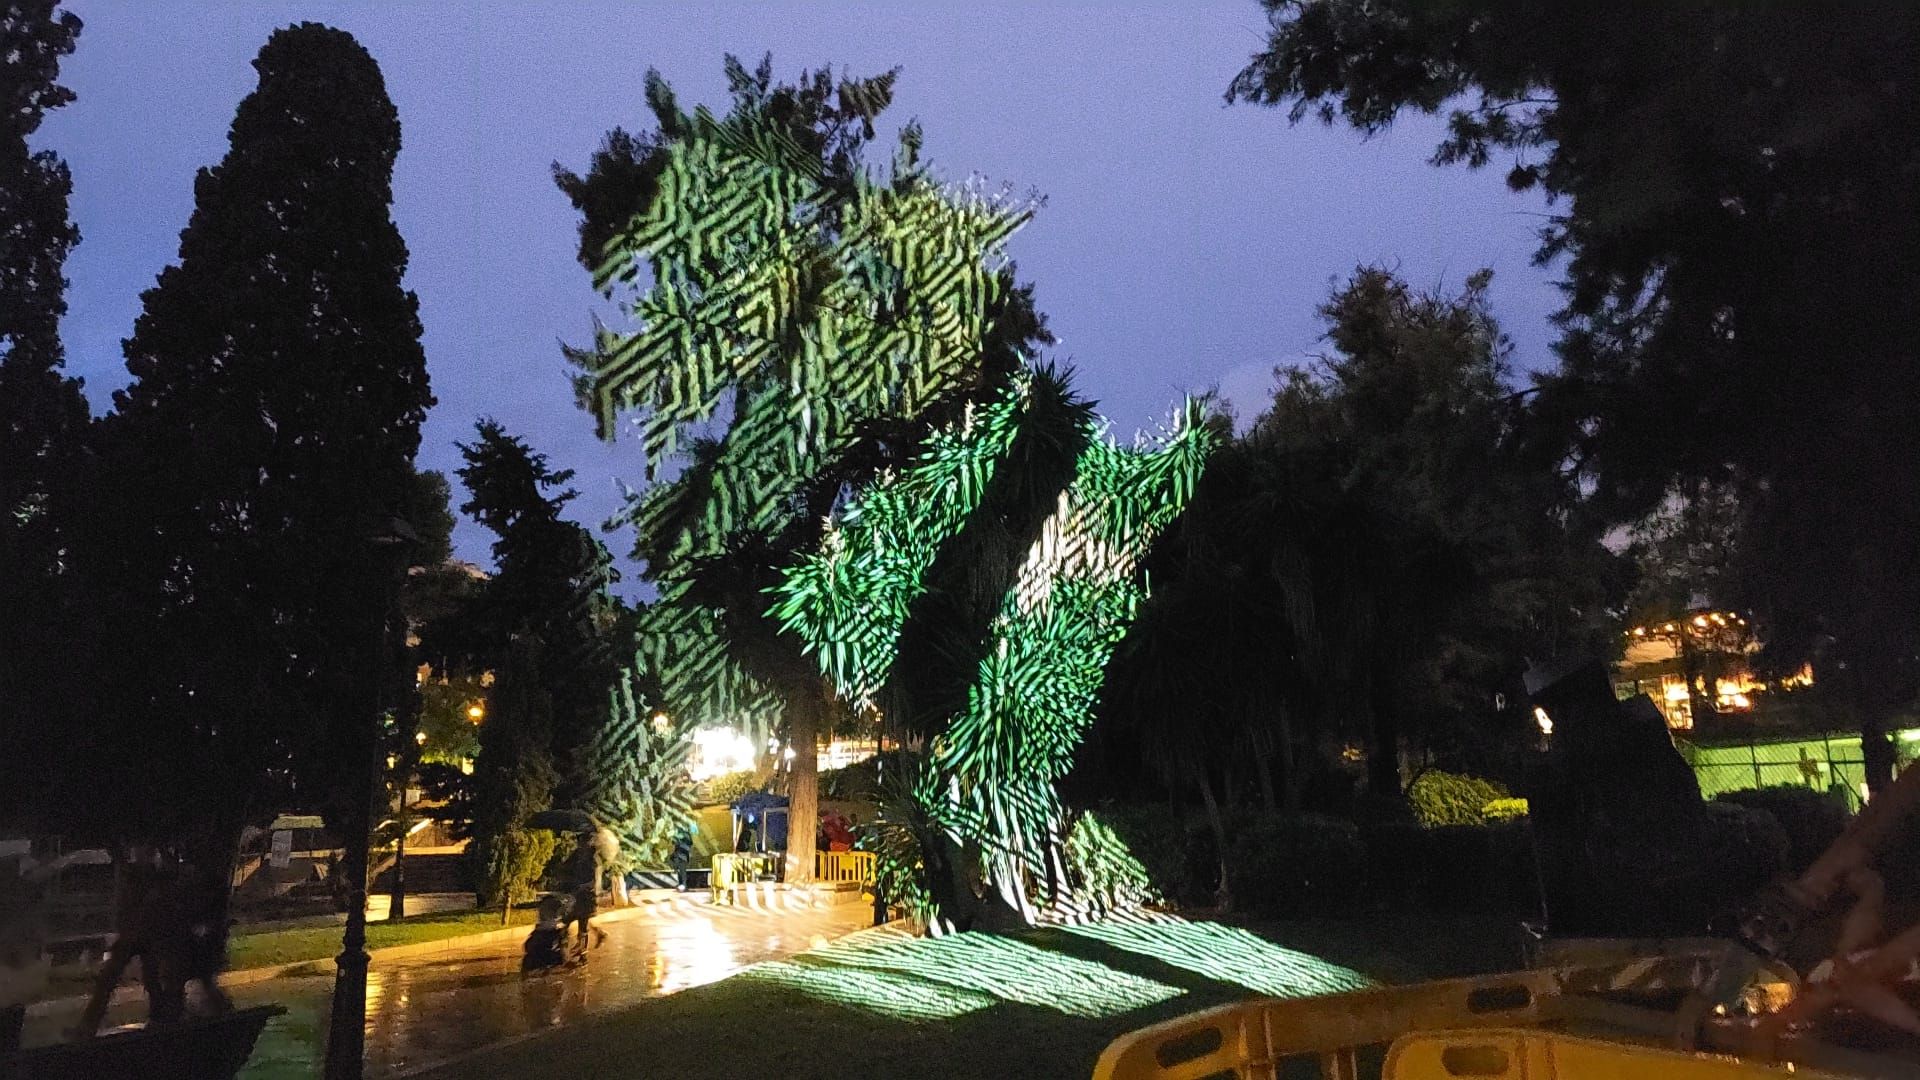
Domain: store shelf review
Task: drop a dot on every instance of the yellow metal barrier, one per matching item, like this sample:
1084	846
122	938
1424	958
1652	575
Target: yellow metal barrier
843	867
732	869
1508	1054
1644	1017
1253	1039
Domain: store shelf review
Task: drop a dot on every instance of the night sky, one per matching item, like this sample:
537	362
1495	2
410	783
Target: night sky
1184	244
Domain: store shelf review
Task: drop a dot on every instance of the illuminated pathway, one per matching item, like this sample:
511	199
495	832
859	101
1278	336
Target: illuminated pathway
436	1009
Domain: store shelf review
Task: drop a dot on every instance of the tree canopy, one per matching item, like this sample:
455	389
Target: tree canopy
1371	564
249	476
551	585
798	318
43	417
1737	220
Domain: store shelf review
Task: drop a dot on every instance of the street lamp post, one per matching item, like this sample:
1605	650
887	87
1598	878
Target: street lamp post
347	1027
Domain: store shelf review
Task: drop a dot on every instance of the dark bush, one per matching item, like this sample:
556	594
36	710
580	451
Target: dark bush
1398	862
1812	820
1454	868
1296	864
1899	860
1742	851
1163	843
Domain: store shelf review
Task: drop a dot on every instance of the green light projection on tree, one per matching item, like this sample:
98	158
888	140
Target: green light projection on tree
784	305
644	794
978	595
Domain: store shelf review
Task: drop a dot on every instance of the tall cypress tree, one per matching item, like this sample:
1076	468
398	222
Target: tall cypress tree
43	417
265	446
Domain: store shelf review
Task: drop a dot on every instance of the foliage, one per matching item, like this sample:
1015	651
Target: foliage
1369	563
43	420
643	792
552	586
827	307
1504	809
1444	798
1750	849
1735	214
513	779
1812	820
1101	868
900	835
1296	864
1458	868
246	482
1163	843
977	595
724	789
862	779
452	735
551	583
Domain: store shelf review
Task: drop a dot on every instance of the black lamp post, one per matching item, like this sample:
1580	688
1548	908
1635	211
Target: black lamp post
347	1029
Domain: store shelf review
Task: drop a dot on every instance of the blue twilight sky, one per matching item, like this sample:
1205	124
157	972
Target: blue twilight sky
1184	244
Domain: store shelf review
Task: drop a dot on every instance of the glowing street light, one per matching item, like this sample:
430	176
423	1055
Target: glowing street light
476	712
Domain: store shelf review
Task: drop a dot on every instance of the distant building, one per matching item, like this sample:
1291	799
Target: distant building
1698	668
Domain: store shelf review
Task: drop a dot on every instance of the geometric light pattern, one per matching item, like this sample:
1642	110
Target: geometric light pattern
989	779
1225	954
929	979
939	978
778	308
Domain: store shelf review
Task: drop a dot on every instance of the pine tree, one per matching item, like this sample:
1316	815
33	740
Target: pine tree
264	446
550	585
825	305
43	417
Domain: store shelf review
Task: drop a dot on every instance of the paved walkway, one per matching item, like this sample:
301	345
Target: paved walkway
435	1010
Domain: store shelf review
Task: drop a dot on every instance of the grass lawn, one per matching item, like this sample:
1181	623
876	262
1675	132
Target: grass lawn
271	948
1039	1004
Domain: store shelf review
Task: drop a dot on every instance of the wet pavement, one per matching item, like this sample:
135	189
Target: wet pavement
436	1009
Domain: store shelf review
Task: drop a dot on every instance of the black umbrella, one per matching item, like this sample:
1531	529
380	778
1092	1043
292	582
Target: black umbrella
573	821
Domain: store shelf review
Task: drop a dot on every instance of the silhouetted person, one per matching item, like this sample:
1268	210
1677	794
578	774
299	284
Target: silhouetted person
681	857
24	968
546	946
173	920
583	872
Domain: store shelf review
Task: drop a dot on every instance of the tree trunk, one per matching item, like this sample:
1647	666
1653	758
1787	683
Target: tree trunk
1876	751
1383	760
1223	895
1262	749
1289	771
804	711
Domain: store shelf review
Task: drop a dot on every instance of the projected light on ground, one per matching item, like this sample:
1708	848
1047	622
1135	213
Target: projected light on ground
940	978
1226	954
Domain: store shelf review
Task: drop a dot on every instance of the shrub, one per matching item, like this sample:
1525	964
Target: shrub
1102	869
725	788
1504	810
1165	845
1444	798
1748	849
1463	868
1296	864
1812	820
